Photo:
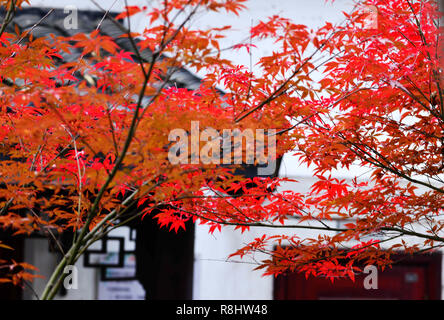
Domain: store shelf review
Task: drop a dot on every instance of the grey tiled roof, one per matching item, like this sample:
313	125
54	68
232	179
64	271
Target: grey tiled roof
88	21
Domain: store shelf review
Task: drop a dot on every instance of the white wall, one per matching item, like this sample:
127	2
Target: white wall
37	254
217	278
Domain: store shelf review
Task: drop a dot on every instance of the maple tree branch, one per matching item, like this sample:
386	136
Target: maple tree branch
133	44
275	254
8	18
51	288
277	93
174	35
113	132
305	119
35	25
323	228
413	233
6	206
48	228
259	224
388	166
436	75
281	89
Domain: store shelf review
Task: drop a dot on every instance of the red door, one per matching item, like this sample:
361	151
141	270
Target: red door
410	279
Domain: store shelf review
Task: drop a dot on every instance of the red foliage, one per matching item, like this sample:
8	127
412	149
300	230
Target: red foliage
95	131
